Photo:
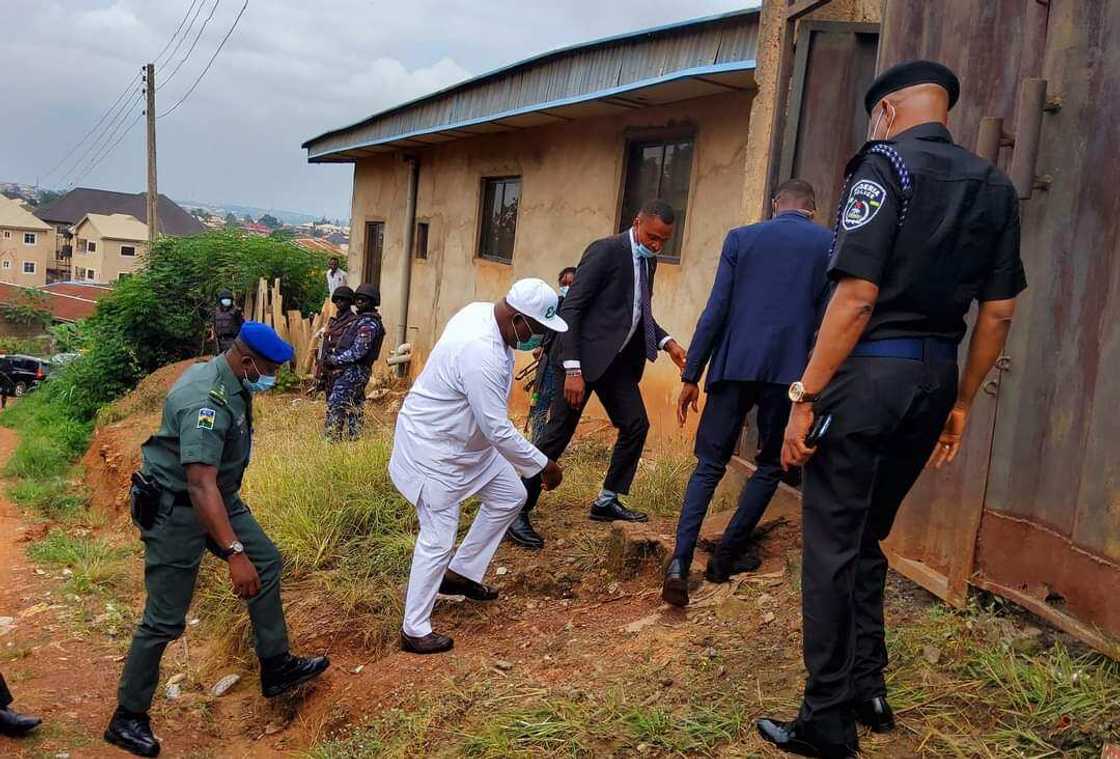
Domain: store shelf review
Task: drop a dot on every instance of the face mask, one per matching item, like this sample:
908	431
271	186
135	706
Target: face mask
532	343
263	383
564	291
645	252
226	302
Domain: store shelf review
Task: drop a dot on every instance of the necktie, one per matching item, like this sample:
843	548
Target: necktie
647	313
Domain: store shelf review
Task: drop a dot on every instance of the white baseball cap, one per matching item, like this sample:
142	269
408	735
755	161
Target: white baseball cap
537	300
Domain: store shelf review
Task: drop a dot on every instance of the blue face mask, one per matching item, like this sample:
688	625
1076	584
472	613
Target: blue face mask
531	344
262	384
564	291
645	252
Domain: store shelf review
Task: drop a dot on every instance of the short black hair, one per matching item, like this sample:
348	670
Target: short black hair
565	272
659	208
332	258
797	190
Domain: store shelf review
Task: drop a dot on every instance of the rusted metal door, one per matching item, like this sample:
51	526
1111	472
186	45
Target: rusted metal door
1050	534
833	66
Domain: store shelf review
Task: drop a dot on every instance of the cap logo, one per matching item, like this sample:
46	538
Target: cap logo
550	312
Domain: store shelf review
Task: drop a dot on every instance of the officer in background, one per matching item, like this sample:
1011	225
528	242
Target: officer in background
227	322
352	359
924	228
343	300
186	500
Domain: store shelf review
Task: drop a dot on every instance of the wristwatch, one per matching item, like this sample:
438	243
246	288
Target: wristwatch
232	550
797	394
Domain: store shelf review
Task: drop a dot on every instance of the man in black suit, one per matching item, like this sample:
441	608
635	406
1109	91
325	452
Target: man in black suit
611	334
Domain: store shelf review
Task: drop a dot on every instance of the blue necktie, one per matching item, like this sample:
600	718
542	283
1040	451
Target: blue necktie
647	312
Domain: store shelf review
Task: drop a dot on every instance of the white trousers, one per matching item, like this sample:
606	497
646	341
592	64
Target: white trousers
502	497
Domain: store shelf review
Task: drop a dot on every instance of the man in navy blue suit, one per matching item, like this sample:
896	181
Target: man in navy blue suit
757	330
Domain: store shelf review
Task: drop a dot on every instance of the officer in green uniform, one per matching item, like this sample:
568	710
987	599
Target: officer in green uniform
186	500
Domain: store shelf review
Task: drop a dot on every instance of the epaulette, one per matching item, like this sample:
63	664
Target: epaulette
218	393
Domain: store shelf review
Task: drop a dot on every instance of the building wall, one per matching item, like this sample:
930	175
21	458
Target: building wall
106	261
13	254
570	196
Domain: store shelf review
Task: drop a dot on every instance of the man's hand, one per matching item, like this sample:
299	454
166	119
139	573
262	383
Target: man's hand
243	575
677	353
949	444
551	476
574	389
537	352
794	450
690	394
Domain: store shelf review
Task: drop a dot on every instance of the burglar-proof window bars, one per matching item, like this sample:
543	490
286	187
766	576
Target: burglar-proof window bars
500	199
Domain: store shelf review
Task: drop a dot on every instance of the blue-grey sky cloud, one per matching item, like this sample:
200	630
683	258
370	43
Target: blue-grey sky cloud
292	69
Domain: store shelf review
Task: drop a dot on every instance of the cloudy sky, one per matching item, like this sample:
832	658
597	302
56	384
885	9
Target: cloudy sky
291	70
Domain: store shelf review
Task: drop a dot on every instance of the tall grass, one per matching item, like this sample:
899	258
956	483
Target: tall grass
93	564
50	438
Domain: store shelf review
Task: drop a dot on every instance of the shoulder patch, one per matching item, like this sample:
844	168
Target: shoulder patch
864	201
206	418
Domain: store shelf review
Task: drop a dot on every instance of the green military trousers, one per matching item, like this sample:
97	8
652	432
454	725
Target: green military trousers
173	550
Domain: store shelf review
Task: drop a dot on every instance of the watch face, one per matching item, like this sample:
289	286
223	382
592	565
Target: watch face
796	391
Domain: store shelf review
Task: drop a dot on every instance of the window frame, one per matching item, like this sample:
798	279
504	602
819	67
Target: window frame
421	252
129	247
6	265
34	239
662	136
91	275
91	246
484	184
7	234
34	267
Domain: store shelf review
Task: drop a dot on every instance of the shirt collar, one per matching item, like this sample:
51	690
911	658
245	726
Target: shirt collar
793	214
933	131
634	245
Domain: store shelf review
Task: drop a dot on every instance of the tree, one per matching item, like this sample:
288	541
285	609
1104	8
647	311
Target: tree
231	221
270	221
48	196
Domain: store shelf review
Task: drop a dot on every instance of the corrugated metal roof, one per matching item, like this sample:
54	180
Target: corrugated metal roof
649	67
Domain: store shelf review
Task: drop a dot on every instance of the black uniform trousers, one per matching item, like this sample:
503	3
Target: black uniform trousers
887	416
5	694
721	423
618	391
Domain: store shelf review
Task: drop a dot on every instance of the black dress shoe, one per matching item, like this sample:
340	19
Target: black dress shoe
800	738
14	724
876	713
284	672
432	643
614	511
133	733
454	584
522	533
674	590
720	570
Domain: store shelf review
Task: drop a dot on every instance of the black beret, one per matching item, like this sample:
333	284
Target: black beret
342	291
908	74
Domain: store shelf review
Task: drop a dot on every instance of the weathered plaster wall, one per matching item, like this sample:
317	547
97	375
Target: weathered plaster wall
570	195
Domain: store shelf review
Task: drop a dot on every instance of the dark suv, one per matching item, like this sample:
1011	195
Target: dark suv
23	372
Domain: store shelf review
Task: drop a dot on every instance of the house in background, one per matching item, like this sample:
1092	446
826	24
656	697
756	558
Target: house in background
66	212
108	247
27	245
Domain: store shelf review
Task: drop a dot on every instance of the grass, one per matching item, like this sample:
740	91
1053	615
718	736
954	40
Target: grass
50	439
94	564
53	498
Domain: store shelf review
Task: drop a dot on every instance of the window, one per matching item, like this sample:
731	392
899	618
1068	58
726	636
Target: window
90	275
91	246
7	234
422	239
658	169
79	273
128	250
28	267
30	238
500	198
7	265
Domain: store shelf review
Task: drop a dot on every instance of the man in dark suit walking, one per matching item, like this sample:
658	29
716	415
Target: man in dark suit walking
757	329
611	334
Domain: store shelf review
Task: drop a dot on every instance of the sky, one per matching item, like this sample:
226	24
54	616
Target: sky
291	70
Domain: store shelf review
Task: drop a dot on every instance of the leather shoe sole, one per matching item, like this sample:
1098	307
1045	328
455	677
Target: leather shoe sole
127	745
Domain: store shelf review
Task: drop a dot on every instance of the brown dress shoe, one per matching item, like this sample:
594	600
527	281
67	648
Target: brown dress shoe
432	643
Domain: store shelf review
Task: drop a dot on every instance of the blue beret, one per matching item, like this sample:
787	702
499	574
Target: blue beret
263	340
908	74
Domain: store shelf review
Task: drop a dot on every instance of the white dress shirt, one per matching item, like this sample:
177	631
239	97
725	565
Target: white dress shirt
335	279
636	313
454	423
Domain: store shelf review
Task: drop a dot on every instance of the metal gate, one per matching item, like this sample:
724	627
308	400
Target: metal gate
1032	510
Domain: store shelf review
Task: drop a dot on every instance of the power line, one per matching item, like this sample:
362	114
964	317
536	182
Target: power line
176	32
198	36
221	44
93	129
98	148
190	26
111	149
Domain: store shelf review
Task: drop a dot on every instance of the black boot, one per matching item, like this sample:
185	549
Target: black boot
14	724
803	739
674	590
876	713
132	731
522	533
284	672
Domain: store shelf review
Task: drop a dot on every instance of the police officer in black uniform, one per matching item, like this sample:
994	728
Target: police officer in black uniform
924	228
227	322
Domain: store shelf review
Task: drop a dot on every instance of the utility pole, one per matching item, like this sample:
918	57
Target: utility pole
153	193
